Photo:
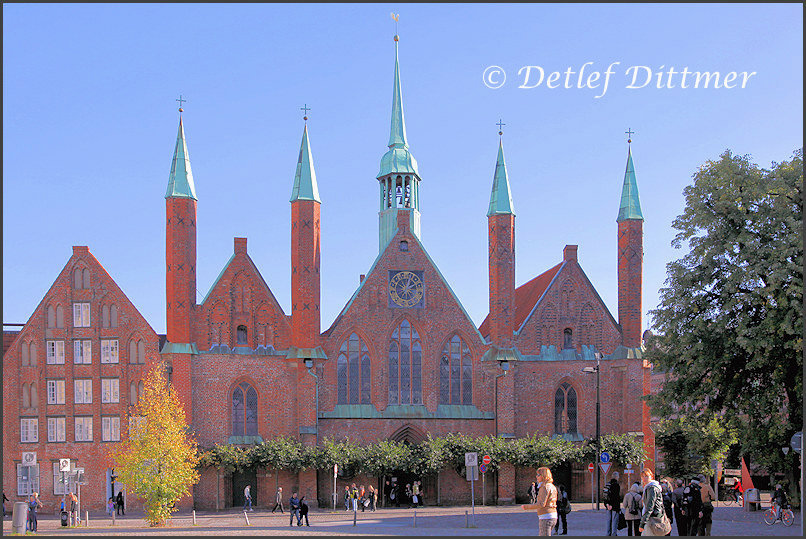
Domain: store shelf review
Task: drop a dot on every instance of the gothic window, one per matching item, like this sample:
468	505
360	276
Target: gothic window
26	396
77	278
241	335
33	354
405	366
105	316
51	317
353	372
59	316
244	410
565	409
568	341
26	360
113	316
86	278
34	397
455	373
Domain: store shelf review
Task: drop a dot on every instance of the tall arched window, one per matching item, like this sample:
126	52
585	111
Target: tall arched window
241	335
86	278
565	409
455	373
77	279
34	397
353	372
405	366
105	316
568	340
244	410
59	316
113	316
26	396
26	359
51	317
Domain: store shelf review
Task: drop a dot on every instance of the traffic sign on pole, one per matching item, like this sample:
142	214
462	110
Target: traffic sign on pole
471	459
605	457
605	466
591	467
483	468
486	459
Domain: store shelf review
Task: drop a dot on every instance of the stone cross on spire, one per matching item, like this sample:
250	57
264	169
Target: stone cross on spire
180	102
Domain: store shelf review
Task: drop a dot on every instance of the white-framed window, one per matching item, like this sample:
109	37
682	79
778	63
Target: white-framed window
110	390
81	315
63	482
110	427
82	352
55	352
56	429
83	428
82	393
55	391
29	429
109	350
27	480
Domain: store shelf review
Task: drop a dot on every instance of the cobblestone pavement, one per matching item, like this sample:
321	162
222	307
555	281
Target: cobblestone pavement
432	521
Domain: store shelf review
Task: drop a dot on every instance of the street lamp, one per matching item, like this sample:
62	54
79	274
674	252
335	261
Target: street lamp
504	364
309	365
595	369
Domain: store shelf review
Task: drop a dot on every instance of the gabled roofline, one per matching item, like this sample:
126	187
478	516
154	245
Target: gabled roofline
531	312
210	291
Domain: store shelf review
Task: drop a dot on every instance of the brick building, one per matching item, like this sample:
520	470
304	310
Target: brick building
402	358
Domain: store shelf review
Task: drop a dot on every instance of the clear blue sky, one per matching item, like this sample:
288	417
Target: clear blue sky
89	126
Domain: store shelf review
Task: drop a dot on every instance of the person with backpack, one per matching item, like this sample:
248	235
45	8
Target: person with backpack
632	505
303	512
612	500
708	497
346	497
692	506
677	505
563	508
666	492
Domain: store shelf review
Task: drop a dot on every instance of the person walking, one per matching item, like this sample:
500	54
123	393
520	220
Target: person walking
33	505
563	508
346	497
708	497
363	501
415	493
354	497
738	490
278	500
373	498
546	501
653	502
692	506
613	504
293	508
119	504
387	491
666	492
247	497
677	502
303	512
395	494
110	506
533	493
632	504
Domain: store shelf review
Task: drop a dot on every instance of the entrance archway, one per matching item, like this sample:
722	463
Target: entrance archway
409	435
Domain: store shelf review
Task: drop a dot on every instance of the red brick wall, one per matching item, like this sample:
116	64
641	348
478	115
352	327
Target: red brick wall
501	263
630	267
180	275
305	264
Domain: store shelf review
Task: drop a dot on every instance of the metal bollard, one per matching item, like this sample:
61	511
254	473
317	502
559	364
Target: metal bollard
467	525
113	518
415	518
245	516
355	516
87	517
194	517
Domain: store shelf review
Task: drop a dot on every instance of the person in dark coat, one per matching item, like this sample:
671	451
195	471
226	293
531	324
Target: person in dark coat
119	503
533	493
677	502
613	504
303	512
278	500
563	507
293	504
33	504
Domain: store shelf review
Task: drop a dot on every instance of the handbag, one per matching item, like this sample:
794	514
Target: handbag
622	522
659	525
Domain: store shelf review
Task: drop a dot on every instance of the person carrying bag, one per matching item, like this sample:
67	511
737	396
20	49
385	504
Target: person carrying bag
654	521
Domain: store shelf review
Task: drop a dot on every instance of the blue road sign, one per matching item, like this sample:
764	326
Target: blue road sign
483	468
605	457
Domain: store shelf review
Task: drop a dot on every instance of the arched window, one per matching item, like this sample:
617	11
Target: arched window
86	278
568	341
34	397
405	366
77	278
113	316
133	393
132	351
105	316
565	409
141	352
33	354
51	317
26	396
26	359
241	339
455	373
244	410
353	372
59	316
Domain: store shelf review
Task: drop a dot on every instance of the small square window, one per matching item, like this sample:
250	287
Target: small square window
404	245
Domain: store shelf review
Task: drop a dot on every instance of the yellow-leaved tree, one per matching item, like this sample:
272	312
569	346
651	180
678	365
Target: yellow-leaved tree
157	457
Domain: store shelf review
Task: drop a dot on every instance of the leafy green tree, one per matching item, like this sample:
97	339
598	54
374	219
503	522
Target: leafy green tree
281	453
729	324
534	451
157	458
690	444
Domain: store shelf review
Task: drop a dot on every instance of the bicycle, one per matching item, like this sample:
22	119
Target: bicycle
787	516
735	498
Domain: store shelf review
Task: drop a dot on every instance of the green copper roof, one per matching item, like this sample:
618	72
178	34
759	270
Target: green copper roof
180	182
305	187
630	207
398	159
500	197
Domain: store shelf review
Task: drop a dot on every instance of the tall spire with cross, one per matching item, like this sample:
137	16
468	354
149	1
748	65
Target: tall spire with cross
501	195
398	177
630	207
305	186
180	181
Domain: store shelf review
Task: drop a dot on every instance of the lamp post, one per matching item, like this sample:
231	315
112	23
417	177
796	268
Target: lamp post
309	365
504	367
598	423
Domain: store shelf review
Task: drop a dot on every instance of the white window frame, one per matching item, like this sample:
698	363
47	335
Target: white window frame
81	315
29	430
29	485
60	488
56	391
110	429
82	352
82	391
110	353
55	352
110	390
83	428
57	429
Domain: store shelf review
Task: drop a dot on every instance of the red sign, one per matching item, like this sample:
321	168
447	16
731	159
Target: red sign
486	459
590	467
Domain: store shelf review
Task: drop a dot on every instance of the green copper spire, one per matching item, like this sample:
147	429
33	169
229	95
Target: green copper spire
305	186
630	207
398	159
500	197
180	182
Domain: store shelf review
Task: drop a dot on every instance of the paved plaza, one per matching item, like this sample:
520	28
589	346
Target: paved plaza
430	521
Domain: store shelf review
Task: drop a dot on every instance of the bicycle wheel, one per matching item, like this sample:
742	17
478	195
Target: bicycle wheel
788	517
769	517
